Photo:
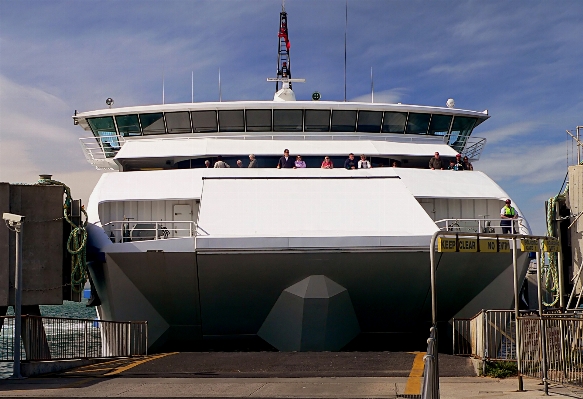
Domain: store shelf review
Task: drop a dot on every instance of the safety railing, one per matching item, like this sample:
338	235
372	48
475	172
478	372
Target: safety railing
430	384
552	348
480	225
489	335
60	338
145	230
100	150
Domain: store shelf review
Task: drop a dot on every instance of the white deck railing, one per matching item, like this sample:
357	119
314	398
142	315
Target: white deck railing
480	225
145	230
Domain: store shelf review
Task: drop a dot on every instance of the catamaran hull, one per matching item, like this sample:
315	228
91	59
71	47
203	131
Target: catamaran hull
190	296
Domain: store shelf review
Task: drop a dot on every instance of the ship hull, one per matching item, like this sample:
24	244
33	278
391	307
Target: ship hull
192	296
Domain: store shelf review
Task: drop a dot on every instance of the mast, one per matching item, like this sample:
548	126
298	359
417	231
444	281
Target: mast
283	45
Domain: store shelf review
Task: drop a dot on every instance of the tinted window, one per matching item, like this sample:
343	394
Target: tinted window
258	120
178	122
231	121
152	123
128	125
317	120
439	125
418	123
369	121
343	121
394	122
287	120
462	127
204	121
104	129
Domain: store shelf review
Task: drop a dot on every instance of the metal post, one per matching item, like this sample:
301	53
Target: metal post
559	258
516	314
542	325
18	227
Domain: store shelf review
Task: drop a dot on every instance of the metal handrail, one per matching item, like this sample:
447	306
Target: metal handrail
100	148
146	230
62	338
478	225
430	385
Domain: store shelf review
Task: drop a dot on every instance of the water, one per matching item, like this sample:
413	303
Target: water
76	310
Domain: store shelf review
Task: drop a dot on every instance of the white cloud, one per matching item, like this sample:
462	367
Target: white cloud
507	132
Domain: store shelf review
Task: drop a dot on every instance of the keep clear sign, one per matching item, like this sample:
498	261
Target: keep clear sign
551	245
529	245
446	244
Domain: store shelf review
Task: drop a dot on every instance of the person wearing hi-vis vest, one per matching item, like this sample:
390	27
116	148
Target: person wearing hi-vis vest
507	214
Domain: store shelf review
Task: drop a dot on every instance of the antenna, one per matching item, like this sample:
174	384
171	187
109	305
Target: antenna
220	94
371	86
192	88
283	59
162	85
345	30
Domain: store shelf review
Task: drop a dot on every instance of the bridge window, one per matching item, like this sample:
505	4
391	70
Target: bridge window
460	130
418	123
204	121
104	130
439	125
153	123
231	121
128	125
178	122
258	120
343	121
317	120
369	121
287	120
394	122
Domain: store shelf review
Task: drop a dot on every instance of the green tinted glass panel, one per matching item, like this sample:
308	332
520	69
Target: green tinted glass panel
287	120
439	125
104	130
418	123
370	121
178	122
231	121
460	131
317	120
128	125
204	121
258	120
152	123
394	122
343	121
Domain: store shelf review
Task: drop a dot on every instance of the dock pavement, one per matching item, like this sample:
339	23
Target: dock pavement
274	375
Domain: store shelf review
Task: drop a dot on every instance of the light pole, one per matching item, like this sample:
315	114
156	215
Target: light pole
16	222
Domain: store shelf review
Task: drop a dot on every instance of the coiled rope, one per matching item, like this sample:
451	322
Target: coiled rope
552	274
77	242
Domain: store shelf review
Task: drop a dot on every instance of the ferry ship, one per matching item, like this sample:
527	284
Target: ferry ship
305	258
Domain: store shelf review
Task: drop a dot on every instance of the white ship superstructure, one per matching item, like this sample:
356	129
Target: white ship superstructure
210	252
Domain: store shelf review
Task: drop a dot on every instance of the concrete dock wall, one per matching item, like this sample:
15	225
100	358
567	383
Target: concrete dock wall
43	268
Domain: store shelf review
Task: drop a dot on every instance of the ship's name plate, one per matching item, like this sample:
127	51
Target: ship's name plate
446	244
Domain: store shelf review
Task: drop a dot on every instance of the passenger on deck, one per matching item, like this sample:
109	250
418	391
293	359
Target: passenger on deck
286	161
436	162
299	163
395	164
507	213
451	165
220	163
459	165
239	163
363	163
207	163
252	161
327	163
350	162
467	164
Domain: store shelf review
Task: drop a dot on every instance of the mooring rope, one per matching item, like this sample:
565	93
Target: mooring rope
77	242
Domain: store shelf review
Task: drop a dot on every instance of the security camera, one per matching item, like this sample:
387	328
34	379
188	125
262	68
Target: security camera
12	218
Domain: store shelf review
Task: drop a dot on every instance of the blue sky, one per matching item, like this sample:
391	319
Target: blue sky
521	60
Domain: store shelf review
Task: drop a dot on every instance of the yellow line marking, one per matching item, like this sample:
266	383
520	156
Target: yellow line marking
413	386
137	363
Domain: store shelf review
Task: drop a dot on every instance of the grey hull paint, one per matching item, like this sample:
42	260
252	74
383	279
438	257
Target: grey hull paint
187	295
